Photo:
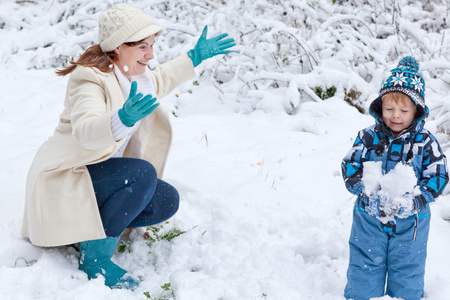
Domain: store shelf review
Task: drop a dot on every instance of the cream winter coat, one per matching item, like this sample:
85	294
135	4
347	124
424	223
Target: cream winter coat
60	205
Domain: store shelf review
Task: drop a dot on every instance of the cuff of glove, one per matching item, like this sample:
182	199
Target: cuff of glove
118	129
124	119
195	57
419	203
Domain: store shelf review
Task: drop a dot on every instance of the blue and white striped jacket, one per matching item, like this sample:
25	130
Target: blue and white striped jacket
415	146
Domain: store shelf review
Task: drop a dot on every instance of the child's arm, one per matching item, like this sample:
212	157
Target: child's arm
352	164
434	177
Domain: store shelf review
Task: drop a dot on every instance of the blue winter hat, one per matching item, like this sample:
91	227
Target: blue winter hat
405	78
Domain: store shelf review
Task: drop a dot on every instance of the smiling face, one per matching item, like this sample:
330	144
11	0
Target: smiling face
132	60
398	111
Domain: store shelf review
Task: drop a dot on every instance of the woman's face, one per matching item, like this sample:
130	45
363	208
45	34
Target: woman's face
132	60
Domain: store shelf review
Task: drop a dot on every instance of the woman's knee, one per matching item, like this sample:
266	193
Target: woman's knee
168	197
175	201
143	170
174	198
144	174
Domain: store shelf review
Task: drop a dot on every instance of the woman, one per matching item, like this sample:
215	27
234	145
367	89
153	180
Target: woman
100	171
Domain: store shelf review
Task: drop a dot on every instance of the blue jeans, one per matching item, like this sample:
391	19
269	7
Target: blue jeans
129	194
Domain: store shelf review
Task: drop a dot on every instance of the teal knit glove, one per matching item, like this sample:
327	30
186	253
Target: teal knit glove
136	107
208	48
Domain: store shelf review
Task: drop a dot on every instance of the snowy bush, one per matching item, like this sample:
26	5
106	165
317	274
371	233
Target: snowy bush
308	50
264	189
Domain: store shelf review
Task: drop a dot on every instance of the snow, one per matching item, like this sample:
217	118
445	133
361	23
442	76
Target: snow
256	153
395	189
399	181
372	174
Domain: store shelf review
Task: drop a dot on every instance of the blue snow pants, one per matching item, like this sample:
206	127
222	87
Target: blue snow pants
129	194
385	262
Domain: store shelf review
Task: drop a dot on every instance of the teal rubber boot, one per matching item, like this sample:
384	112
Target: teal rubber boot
95	259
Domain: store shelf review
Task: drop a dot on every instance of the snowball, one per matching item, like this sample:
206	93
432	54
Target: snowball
397	188
372	175
399	181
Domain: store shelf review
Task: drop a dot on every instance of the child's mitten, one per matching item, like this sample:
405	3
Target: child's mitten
376	203
410	205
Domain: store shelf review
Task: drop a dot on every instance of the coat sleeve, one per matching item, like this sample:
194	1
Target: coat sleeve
352	164
434	177
171	74
90	119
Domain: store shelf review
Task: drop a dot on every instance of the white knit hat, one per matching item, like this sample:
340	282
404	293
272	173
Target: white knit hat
123	23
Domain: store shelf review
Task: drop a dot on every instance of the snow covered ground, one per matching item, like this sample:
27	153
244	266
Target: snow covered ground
263	203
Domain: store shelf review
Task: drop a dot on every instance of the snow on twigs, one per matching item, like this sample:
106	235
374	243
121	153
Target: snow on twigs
296	47
259	137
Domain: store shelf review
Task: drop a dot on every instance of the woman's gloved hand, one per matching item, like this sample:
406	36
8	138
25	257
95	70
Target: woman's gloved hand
208	48
136	107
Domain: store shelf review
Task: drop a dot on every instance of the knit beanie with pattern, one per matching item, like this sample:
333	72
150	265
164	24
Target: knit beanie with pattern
405	78
123	23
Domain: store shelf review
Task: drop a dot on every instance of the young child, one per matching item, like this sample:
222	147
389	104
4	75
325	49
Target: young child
388	242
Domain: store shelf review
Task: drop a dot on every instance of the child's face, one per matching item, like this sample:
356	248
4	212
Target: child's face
399	113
